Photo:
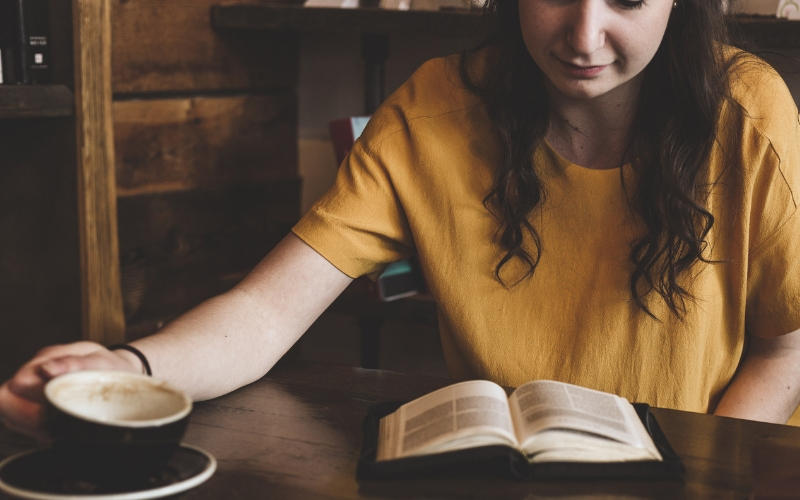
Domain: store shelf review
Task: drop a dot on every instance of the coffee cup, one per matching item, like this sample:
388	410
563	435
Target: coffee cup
115	427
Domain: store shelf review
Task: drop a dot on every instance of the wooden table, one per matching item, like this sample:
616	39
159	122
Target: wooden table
296	433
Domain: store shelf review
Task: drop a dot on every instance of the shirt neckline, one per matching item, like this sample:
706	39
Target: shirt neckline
564	163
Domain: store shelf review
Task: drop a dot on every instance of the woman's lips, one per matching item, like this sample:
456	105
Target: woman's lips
582	71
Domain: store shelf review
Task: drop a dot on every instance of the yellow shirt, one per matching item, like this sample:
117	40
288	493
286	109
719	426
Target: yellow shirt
415	182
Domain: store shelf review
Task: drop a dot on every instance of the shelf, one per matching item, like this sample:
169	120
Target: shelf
334	20
769	32
765	32
36	101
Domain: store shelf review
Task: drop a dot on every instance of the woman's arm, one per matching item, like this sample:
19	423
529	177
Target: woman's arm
222	344
766	386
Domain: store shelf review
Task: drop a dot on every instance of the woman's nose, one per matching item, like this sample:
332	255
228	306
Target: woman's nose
586	32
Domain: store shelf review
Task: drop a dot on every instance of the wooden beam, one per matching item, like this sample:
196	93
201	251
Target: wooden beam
35	101
103	319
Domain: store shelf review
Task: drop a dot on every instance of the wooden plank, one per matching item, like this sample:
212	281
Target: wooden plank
166	46
35	101
174	144
178	248
177	222
103	319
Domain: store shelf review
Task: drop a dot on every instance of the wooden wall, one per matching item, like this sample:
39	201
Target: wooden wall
206	153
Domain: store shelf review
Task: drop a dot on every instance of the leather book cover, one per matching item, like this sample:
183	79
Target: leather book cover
506	461
33	41
9	51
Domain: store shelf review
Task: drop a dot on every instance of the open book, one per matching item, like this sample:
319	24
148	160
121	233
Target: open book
545	420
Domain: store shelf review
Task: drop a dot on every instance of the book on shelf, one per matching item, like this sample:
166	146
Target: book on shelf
344	133
8	43
25	42
399	280
543	430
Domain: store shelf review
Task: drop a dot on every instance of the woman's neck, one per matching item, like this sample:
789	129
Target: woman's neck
593	133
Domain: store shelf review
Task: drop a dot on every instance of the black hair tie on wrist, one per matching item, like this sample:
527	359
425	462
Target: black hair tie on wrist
135	351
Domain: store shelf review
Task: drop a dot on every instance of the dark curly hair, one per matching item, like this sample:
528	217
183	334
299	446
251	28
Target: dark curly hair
674	129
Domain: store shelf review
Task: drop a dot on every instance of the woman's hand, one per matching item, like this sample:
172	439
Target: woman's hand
22	397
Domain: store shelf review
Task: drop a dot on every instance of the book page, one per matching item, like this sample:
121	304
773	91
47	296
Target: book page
546	405
462	415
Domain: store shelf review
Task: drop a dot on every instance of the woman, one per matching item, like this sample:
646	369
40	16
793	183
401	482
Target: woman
592	198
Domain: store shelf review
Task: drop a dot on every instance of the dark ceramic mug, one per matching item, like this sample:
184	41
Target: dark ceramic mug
115	427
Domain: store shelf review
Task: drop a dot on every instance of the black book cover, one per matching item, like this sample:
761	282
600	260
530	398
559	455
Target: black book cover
9	53
33	41
506	461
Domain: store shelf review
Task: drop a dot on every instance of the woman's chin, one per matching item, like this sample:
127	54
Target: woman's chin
588	88
581	90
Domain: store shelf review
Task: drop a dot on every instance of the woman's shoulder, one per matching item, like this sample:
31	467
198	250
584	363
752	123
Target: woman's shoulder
761	93
766	128
437	85
435	93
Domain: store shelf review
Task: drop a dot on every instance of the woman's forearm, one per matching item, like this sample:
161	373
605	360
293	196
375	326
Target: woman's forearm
222	344
766	386
235	338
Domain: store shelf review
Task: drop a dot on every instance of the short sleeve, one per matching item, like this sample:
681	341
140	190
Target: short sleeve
773	276
359	225
773	303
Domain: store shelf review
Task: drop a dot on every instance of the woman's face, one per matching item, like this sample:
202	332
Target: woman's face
587	48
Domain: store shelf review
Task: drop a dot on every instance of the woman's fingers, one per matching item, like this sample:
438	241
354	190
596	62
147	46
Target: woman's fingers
59	351
27	384
21	414
22	398
102	360
29	381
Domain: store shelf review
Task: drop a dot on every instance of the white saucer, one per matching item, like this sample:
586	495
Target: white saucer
36	475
